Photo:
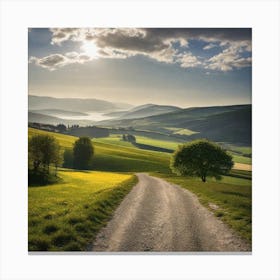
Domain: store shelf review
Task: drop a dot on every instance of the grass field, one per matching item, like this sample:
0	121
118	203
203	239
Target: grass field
241	159
185	131
171	145
66	216
86	194
157	143
238	149
118	156
233	196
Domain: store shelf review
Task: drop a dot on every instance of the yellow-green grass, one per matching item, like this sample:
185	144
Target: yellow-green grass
182	131
185	131
239	149
66	141
172	145
113	154
241	159
242	166
114	139
233	196
117	140
117	157
66	216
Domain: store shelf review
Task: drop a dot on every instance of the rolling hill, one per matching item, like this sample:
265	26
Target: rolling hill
58	113
218	123
144	111
47	119
112	157
74	104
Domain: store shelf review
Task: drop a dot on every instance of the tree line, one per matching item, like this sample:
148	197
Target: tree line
199	158
44	152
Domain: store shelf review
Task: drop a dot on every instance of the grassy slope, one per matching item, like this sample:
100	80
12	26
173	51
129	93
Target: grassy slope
233	197
172	145
117	157
235	204
66	216
241	159
184	131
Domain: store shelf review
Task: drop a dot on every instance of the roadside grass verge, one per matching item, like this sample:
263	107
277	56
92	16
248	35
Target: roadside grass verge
233	199
67	216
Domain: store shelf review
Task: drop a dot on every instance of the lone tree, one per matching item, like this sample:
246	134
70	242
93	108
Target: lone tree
82	153
43	150
68	158
201	158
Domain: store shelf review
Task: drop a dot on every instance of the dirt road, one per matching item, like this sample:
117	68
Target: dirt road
161	217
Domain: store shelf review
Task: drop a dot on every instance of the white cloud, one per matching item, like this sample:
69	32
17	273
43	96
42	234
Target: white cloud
230	57
55	61
160	44
210	46
60	35
187	60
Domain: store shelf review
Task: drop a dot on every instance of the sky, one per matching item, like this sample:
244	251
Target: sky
184	67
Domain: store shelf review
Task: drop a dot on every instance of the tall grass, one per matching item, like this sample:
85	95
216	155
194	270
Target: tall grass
66	216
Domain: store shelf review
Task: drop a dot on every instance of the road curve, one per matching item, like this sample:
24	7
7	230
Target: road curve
161	217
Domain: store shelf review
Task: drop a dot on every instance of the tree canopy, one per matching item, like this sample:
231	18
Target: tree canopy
201	158
82	153
43	150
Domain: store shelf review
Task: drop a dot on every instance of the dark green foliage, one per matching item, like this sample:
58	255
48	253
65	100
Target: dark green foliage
50	229
61	127
201	158
41	178
83	153
68	158
43	150
129	138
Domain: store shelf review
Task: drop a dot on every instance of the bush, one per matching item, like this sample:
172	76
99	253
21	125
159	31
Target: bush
41	178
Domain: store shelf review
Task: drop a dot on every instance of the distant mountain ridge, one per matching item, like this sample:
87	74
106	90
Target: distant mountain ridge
74	104
47	119
58	112
143	111
231	123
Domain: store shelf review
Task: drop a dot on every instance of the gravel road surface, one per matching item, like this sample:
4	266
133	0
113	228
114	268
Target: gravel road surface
161	217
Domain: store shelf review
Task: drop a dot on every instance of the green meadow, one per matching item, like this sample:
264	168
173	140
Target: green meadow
67	215
112	154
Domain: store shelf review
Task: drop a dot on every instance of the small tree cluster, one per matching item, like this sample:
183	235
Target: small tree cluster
129	138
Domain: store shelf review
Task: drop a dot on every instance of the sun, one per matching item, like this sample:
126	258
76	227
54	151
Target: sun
90	49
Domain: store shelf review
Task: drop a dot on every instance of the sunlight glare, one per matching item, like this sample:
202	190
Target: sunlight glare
90	49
